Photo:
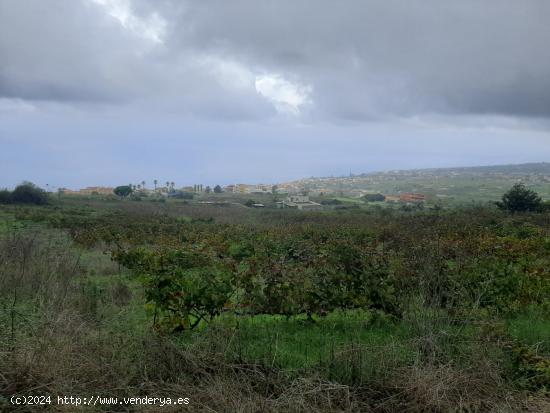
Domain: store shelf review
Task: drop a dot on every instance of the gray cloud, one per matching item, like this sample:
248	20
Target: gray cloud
356	59
368	57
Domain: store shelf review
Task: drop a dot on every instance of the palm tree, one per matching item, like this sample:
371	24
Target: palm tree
143	184
172	184
155	182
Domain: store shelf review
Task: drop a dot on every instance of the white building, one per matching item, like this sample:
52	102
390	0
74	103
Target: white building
301	202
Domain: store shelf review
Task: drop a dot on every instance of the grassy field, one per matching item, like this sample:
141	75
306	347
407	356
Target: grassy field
74	321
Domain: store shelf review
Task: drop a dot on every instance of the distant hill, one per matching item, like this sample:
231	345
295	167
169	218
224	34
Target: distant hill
523	168
478	183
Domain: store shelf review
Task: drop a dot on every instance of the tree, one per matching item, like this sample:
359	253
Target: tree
218	189
29	193
155	182
5	196
274	189
123	190
143	184
374	198
520	199
207	189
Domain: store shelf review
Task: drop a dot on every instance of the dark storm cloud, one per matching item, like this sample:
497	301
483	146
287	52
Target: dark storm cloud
355	59
368	57
55	50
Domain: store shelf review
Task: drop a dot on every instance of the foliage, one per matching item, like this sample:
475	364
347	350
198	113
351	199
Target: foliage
476	259
184	285
374	197
520	199
218	189
5	196
123	190
25	193
532	368
399	311
181	195
331	201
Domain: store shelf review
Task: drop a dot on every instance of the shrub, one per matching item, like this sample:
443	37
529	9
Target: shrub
183	287
520	199
374	198
331	202
181	195
28	193
5	196
123	190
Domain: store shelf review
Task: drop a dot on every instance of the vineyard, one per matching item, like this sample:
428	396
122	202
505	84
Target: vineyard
351	297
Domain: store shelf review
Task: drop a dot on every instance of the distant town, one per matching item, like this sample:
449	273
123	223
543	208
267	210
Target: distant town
409	186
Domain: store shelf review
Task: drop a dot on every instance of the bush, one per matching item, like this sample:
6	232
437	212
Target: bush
123	190
182	286
374	198
28	193
5	196
520	199
331	202
181	195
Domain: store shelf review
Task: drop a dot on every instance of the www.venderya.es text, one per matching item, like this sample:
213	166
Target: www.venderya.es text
95	400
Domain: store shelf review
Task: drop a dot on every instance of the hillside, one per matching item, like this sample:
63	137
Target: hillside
462	184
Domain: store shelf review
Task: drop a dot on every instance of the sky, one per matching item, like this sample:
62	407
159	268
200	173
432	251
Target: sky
110	92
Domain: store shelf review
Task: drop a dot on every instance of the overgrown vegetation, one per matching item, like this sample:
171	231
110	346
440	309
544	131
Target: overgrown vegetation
374	310
25	193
